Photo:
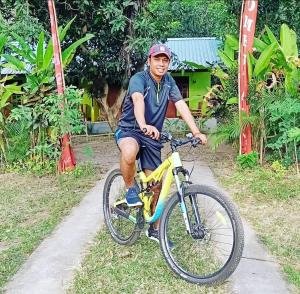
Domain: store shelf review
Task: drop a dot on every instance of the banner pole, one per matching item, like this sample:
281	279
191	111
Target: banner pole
67	159
246	40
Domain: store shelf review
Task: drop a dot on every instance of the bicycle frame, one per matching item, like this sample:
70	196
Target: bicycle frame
168	167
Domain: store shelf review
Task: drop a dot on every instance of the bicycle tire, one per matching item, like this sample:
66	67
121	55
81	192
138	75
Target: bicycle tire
221	274
132	230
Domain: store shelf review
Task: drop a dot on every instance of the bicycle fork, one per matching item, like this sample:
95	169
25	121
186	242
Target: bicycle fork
181	186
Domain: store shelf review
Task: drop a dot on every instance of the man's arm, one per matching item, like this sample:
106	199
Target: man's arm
139	113
185	113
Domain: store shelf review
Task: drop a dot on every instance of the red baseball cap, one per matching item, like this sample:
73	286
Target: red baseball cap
160	49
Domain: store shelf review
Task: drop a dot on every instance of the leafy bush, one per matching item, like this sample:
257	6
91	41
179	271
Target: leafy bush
40	128
249	160
278	168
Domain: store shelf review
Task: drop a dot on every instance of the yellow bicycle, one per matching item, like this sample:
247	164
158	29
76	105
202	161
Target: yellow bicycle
201	222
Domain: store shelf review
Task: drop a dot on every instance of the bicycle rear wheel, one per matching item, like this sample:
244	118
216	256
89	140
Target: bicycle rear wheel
212	252
123	230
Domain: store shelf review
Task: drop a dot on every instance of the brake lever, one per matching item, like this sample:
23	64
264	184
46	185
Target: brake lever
196	141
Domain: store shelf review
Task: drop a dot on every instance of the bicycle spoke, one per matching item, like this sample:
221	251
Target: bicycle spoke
122	229
206	251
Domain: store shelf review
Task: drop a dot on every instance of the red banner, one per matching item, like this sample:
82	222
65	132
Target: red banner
67	159
247	30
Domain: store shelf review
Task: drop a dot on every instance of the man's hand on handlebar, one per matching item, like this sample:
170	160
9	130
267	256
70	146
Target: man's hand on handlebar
151	131
202	138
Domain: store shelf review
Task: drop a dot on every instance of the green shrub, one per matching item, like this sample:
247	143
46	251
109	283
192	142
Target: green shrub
249	160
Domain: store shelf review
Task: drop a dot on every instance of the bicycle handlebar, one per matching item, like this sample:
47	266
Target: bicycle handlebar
167	137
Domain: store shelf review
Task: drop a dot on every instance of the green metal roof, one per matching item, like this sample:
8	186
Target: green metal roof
202	51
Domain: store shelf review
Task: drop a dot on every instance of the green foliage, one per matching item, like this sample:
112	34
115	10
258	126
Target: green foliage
17	17
249	160
175	126
271	13
179	126
294	134
18	141
37	64
284	115
6	92
40	127
197	18
274	71
293	275
278	168
229	131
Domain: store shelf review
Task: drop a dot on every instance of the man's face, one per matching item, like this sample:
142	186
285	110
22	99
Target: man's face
159	65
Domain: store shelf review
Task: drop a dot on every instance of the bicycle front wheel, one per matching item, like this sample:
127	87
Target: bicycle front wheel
211	252
123	230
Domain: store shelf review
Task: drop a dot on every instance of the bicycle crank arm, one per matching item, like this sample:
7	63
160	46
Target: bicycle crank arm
120	212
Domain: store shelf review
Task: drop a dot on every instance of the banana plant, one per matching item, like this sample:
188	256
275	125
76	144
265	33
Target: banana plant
277	56
231	46
6	92
37	63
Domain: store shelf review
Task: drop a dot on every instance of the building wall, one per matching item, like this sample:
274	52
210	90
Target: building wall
90	107
199	82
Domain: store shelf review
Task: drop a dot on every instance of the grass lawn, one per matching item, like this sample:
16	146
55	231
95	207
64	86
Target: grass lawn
31	207
270	202
112	268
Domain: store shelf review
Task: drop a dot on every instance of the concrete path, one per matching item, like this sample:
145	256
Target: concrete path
50	269
258	272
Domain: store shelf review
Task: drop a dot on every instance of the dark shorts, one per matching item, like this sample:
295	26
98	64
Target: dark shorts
150	150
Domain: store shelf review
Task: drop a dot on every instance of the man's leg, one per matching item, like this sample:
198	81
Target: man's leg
129	150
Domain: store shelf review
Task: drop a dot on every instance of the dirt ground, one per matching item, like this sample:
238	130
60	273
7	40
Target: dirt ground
102	151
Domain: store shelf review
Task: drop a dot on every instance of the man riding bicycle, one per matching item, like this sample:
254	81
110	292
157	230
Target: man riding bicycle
141	122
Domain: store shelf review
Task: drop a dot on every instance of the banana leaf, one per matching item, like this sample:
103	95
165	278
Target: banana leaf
70	50
48	55
14	62
40	51
250	63
219	73
4	98
263	62
232	41
226	59
13	88
228	51
27	56
281	61
232	100
3	40
259	45
292	81
63	31
6	78
271	36
288	39
25	46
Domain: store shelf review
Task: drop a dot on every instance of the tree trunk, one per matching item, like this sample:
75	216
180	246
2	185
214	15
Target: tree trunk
112	112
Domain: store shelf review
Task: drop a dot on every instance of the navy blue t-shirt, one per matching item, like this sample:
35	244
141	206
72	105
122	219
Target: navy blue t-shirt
156	97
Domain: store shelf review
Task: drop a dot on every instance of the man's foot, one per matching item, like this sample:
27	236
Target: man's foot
152	234
132	197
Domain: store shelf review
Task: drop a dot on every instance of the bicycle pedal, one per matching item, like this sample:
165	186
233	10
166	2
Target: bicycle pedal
120	202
